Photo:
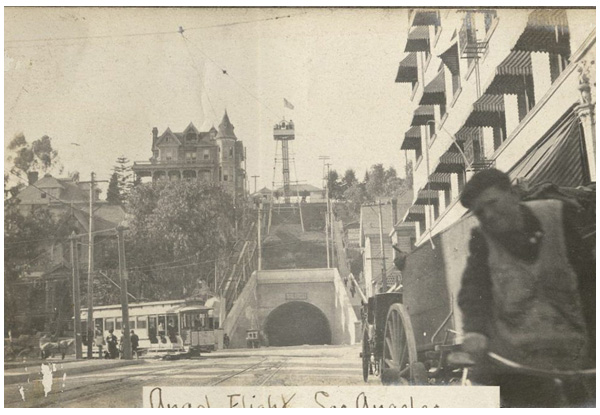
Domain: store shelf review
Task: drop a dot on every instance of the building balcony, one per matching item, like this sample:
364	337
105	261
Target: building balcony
176	164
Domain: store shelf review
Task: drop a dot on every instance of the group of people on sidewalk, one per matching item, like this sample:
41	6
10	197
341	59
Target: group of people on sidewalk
114	345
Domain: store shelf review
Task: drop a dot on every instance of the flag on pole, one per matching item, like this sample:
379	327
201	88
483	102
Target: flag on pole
287	104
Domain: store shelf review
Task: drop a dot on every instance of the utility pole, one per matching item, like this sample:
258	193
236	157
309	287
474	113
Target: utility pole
76	302
383	268
327	226
90	283
255	177
329	216
124	300
258	237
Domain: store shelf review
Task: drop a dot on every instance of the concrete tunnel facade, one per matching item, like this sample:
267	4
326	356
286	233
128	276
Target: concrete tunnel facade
293	307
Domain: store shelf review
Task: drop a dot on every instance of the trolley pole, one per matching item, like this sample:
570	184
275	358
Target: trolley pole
327	227
258	237
76	301
124	300
90	283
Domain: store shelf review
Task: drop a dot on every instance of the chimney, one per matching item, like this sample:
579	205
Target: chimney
154	137
32	177
394	211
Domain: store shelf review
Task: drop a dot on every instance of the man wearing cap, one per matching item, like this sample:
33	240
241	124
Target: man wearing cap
521	292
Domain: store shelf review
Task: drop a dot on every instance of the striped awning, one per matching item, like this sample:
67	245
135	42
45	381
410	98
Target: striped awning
434	92
412	139
466	134
422	115
489	103
407	70
418	39
511	75
559	157
439	181
427	197
451	162
426	18
451	59
488	111
416	213
547	30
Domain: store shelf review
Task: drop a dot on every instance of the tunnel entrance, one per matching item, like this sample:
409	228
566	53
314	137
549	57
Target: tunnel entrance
296	323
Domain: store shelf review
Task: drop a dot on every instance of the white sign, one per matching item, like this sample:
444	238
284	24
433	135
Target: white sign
322	397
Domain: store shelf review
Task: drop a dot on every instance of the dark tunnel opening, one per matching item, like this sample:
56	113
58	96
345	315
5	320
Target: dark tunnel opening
297	323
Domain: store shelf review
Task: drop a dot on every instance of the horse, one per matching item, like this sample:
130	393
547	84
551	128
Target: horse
48	348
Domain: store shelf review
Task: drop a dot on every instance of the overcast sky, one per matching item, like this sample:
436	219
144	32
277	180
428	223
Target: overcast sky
103	78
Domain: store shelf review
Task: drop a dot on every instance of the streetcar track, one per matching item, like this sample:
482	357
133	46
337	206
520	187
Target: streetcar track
271	375
238	373
182	368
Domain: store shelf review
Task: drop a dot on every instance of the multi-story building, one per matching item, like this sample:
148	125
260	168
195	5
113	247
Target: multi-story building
44	299
214	156
512	89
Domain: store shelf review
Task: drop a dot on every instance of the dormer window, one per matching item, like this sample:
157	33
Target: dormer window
191	138
43	195
231	152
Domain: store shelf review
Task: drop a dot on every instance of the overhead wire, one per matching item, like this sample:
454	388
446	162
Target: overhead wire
168	32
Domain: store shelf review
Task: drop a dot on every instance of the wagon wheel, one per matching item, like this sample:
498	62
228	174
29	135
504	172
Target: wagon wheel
399	363
366	356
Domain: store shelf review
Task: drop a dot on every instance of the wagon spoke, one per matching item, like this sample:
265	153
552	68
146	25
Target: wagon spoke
389	345
401	359
396	331
401	332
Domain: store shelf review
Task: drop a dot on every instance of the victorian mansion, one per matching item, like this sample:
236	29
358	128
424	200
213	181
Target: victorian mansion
214	156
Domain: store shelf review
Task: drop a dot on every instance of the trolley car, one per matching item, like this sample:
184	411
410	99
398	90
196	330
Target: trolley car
409	332
162	325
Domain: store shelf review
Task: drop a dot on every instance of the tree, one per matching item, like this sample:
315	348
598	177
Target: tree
349	179
334	185
177	231
39	155
375	185
124	174
113	195
355	196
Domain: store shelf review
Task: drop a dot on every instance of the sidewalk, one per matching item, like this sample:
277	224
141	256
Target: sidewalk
23	371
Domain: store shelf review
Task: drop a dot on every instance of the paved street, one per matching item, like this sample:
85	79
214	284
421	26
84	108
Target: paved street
122	387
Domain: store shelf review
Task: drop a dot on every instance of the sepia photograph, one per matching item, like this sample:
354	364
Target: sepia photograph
300	207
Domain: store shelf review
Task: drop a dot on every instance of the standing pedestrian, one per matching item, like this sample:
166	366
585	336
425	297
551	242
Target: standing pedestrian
111	341
135	343
99	341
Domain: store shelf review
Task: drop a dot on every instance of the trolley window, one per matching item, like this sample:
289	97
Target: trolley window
118	324
141	323
110	323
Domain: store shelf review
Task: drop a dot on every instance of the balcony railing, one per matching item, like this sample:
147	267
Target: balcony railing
173	163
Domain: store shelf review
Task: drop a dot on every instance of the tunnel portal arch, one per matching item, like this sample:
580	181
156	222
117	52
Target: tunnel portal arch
297	323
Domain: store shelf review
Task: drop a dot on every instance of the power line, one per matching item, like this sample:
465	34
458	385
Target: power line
225	72
174	32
